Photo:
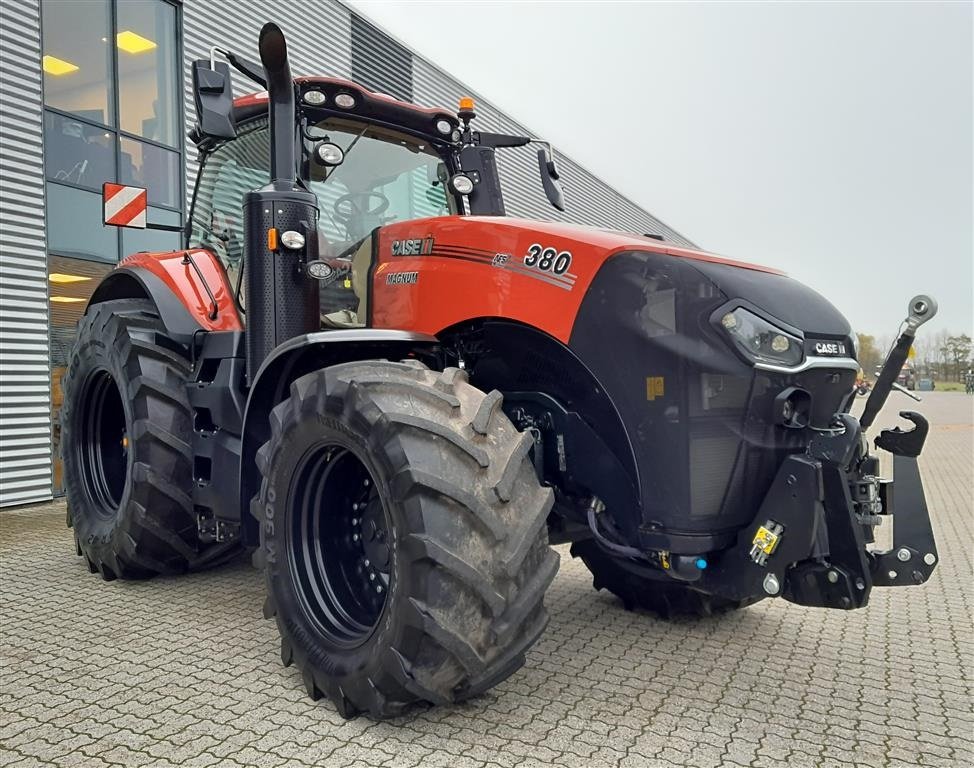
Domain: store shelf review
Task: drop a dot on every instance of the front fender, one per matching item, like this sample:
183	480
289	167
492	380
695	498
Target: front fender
180	293
304	354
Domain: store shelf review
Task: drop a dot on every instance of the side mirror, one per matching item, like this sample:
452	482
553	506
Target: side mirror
549	180
213	95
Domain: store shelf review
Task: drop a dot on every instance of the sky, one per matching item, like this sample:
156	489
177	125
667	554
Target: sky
830	140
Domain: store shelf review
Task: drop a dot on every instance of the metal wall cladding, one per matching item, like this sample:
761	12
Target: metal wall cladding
25	376
379	62
588	199
318	35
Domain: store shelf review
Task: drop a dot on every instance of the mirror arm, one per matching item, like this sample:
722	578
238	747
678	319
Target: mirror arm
244	66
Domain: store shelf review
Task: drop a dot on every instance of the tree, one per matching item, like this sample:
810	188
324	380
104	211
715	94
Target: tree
870	357
958	351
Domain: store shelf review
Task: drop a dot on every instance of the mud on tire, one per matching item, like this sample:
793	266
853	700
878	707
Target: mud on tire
667	599
127	446
449	605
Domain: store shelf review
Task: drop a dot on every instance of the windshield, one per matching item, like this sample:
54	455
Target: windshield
386	176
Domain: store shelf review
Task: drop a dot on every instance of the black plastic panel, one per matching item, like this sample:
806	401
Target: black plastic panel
282	301
700	419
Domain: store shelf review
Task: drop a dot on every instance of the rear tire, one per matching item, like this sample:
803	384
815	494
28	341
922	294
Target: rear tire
127	446
668	599
430	588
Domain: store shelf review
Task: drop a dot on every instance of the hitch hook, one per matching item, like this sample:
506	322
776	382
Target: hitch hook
905	443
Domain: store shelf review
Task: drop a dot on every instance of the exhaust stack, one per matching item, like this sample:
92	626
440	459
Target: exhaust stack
281	300
280	98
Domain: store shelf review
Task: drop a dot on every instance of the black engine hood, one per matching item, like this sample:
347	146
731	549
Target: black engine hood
780	296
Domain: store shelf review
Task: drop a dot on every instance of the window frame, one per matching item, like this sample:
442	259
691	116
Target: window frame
118	133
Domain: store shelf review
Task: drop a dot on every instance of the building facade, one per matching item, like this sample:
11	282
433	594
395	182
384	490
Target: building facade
98	90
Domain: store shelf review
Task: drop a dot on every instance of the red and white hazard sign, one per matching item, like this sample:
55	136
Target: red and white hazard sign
124	206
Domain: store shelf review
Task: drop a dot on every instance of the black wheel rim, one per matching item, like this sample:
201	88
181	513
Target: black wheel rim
340	549
104	443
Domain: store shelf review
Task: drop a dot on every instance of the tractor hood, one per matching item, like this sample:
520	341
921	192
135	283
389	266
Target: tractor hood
783	298
610	241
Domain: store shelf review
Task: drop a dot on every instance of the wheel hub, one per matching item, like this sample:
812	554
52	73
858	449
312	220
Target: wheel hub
339	549
104	444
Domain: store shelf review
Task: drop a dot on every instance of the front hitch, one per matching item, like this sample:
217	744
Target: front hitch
809	542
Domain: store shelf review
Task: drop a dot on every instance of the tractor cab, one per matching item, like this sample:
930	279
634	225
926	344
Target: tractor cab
369	159
366	169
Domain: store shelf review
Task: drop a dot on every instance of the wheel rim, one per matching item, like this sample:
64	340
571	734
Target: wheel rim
104	444
340	552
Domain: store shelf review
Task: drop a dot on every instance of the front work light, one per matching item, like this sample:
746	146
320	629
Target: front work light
760	340
292	240
329	154
461	184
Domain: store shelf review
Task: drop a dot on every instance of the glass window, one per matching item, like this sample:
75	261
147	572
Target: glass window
429	194
135	240
77	58
385	177
152	167
148	95
78	153
232	170
74	225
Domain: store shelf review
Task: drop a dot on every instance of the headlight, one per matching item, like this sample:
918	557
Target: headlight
760	340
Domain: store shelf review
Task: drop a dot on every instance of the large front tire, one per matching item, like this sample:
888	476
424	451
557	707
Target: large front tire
127	446
403	536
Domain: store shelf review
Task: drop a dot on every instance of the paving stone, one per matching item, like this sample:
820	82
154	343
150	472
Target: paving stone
184	672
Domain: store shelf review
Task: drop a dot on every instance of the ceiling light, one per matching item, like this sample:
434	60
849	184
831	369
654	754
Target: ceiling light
66	299
130	42
55	66
61	277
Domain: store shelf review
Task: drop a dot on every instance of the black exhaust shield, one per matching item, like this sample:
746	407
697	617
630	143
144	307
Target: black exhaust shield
281	300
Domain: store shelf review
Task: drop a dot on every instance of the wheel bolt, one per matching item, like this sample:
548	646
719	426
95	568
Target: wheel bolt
371	577
366	482
354	537
367	562
355	506
378	588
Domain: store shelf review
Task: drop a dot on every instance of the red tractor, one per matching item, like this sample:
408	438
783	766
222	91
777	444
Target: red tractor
398	397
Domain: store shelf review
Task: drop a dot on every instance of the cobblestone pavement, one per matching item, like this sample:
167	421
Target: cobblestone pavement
185	672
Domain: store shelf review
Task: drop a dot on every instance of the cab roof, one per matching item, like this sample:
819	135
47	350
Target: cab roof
368	104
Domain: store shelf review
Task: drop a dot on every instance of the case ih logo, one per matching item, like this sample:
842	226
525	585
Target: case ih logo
418	247
829	348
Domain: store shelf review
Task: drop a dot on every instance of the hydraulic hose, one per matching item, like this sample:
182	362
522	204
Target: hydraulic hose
610	545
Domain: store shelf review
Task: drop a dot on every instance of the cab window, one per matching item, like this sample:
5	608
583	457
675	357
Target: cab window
385	177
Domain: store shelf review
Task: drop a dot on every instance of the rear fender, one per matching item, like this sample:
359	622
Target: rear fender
181	294
301	355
